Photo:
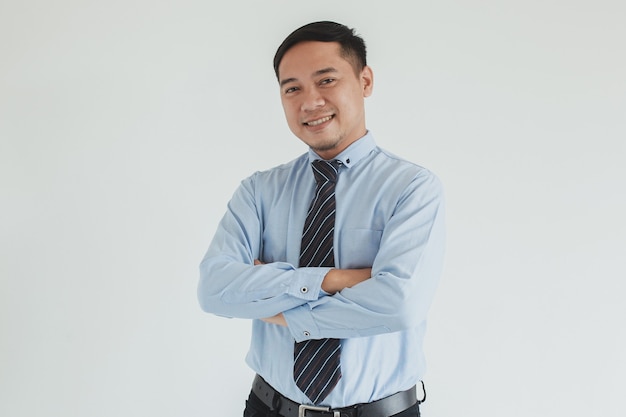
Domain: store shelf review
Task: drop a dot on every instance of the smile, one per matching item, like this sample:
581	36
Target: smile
318	121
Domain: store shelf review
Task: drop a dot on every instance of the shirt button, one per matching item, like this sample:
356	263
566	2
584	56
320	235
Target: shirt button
304	290
306	334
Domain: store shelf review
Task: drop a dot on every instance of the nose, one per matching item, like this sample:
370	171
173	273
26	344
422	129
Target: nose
312	100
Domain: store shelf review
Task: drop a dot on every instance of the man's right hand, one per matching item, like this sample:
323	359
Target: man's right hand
338	279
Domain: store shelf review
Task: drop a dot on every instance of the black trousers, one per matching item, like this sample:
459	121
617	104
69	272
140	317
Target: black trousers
256	408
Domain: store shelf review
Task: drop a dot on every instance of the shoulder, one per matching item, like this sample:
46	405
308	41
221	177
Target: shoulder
393	166
278	175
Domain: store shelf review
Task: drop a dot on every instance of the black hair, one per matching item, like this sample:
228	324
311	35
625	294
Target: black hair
352	45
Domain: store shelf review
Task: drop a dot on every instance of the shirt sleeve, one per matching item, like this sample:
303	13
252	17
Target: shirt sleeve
405	274
231	285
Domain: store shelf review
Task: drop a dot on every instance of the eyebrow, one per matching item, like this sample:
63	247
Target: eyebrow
317	73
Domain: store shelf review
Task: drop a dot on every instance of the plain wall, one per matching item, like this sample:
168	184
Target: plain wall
125	126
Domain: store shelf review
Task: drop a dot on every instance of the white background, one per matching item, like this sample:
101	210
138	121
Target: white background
126	125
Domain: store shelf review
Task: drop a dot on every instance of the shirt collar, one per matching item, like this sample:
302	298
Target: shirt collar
353	153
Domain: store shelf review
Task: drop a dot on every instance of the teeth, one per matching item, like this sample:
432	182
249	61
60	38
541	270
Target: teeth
319	121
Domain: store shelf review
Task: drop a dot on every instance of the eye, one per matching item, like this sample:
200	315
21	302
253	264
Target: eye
289	90
327	81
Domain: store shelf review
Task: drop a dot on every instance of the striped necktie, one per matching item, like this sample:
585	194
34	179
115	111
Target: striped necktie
316	362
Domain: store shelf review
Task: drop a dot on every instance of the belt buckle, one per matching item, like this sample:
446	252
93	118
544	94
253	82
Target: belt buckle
304	408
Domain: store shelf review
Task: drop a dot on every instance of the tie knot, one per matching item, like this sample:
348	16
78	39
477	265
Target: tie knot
325	170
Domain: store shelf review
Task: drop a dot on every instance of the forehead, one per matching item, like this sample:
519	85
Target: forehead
305	58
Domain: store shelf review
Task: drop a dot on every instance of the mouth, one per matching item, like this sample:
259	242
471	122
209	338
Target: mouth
318	122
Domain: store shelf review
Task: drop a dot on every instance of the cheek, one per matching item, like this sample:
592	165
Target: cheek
353	104
293	121
346	101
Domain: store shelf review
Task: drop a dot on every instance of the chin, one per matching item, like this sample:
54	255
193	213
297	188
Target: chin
323	146
323	140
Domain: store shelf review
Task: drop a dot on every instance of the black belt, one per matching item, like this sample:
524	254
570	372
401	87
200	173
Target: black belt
388	406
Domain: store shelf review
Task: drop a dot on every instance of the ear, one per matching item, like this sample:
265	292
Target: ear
367	81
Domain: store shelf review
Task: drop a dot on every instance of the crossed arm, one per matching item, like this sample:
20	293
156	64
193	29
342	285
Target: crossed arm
334	281
323	302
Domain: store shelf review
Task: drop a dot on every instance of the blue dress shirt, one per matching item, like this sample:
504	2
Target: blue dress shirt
390	217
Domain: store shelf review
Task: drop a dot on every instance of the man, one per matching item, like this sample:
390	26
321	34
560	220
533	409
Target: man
334	255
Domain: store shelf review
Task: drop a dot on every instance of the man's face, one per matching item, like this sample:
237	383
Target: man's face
322	97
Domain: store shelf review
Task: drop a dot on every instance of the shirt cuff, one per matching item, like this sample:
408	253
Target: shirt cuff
307	284
301	324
